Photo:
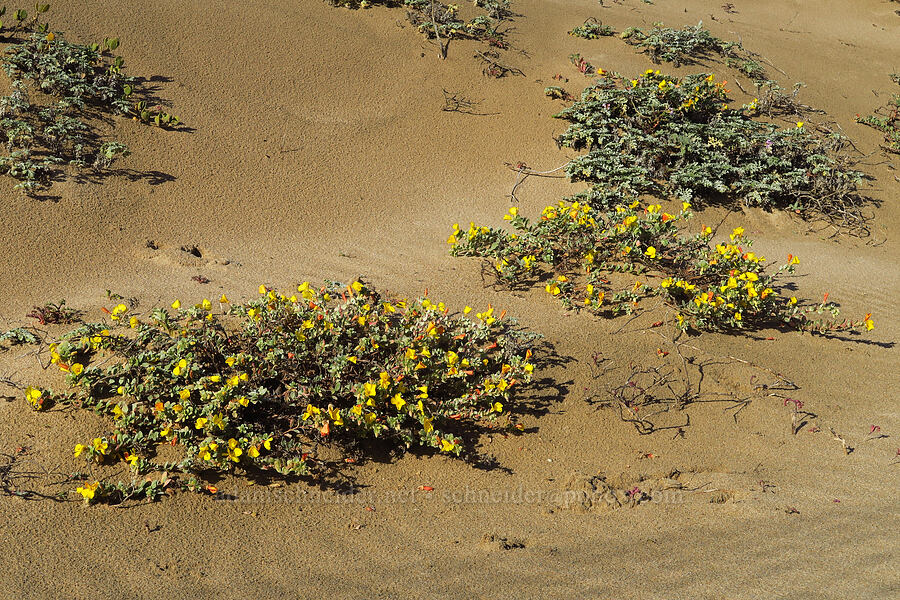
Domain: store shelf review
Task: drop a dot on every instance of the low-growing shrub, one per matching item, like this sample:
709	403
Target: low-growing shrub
678	46
668	136
576	250
434	19
57	87
592	29
887	120
259	386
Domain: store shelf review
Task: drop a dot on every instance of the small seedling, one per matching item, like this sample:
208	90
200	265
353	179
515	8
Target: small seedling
54	313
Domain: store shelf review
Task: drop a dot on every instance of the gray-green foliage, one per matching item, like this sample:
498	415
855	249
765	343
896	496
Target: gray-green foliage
677	45
19	336
591	29
887	120
433	18
57	89
666	136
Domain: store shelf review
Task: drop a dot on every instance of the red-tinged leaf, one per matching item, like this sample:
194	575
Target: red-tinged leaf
106	310
770	339
350	460
461	336
657	324
370	508
426	488
211	489
326	428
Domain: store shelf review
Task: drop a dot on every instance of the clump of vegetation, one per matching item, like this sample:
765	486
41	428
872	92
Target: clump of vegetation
577	251
436	20
557	93
686	45
592	29
678	46
887	120
17	336
667	136
583	66
260	386
57	88
54	313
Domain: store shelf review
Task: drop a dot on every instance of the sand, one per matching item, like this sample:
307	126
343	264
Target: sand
316	148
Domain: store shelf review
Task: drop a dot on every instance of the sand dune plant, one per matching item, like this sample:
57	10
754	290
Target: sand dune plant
677	45
576	251
436	20
679	137
592	29
259	386
887	120
57	89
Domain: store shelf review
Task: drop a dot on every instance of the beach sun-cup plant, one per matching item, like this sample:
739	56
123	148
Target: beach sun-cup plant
259	386
57	89
680	138
574	251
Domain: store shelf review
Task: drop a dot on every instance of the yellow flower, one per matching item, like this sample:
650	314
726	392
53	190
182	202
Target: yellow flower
427	425
77	369
424	391
253	313
234	450
267	444
218	421
357	286
447	446
176	305
88	490
184	394
100	445
243	401
79	448
497	407
201	423
223	299
132	459
870	324
33	395
398	401
335	415
651	252
799	124
253	451
262	289
370	389
206	304
467	310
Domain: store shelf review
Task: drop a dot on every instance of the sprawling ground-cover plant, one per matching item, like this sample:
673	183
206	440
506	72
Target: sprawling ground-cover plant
258	386
668	136
435	19
57	87
887	120
591	29
574	250
686	45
